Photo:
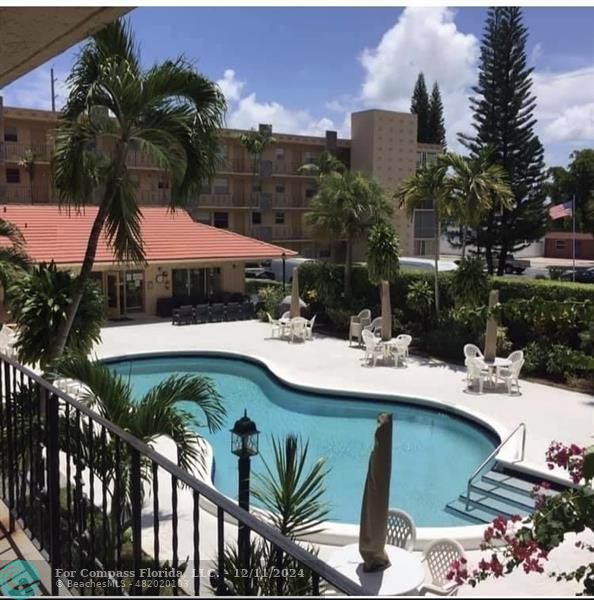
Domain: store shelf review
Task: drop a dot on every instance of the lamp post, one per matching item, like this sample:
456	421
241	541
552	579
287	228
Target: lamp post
244	444
284	271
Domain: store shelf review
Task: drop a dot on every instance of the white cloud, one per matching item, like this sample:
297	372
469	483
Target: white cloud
422	40
565	106
248	112
34	90
230	86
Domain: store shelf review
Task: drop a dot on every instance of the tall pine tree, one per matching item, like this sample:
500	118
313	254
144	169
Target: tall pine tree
503	120
436	127
419	105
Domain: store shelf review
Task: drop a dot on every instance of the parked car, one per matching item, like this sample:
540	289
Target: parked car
581	275
512	265
427	264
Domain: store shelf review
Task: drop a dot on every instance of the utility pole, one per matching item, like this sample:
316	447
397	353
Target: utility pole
573	237
53	91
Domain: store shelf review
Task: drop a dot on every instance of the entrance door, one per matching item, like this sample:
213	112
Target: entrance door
114	297
134	296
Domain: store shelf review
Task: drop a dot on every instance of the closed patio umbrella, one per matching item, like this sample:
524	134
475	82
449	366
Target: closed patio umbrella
386	312
376	498
295	300
491	333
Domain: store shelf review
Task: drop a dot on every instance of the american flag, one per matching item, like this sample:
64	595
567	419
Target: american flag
560	211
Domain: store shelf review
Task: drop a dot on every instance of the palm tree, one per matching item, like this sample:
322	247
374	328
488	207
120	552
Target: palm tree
345	207
475	186
325	164
428	184
255	143
169	111
383	252
157	413
13	257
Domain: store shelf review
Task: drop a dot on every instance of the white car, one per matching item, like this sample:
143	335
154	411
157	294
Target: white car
427	264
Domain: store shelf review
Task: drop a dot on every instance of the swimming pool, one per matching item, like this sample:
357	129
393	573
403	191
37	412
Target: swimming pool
434	451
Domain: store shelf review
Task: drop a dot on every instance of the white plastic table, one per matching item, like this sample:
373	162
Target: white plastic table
495	364
404	576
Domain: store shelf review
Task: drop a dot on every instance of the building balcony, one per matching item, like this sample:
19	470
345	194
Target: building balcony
154	197
288	201
272	233
11	193
228	201
16	151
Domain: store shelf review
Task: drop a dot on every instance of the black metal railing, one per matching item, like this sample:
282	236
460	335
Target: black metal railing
104	508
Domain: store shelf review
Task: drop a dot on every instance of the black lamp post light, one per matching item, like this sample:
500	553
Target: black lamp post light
244	444
284	270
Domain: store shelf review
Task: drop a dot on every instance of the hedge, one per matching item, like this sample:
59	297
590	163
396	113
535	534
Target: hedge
518	287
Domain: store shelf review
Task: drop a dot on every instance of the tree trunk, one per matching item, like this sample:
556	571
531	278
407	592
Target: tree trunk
348	268
437	239
463	241
89	259
502	260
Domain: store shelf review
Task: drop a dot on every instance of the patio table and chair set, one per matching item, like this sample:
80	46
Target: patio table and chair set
292	328
489	372
368	332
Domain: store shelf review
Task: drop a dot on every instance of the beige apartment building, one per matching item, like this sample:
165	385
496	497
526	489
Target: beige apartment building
269	206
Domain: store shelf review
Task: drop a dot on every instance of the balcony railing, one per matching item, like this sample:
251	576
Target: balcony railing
154	197
15	151
424	247
268	233
13	193
287	201
228	201
80	486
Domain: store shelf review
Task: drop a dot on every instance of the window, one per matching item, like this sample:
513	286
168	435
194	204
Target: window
221	186
11	134
205	186
279	218
559	244
202	216
221	220
13	176
163	184
256	218
309	158
310	192
279	154
424	224
280	188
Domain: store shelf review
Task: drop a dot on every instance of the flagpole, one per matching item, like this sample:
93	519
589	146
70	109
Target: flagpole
573	218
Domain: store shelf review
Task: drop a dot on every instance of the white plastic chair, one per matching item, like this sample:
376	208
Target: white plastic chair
275	326
373	347
375	326
439	557
401	530
510	375
477	370
471	351
403	341
358	322
309	328
298	328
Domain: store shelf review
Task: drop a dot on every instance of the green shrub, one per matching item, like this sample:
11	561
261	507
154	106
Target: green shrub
340	319
519	287
470	283
272	296
253	286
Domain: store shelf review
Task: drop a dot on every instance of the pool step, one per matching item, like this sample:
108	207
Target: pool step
497	493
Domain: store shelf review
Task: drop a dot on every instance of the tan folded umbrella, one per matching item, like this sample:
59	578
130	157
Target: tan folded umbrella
376	499
491	333
295	306
386	312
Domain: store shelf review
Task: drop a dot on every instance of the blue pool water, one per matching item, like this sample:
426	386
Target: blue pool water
434	452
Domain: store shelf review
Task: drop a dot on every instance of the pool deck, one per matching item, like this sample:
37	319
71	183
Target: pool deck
550	413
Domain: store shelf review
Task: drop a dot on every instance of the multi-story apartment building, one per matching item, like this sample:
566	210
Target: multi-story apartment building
269	205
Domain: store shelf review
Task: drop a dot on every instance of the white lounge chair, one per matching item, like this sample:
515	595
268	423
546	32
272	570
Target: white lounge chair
309	328
373	347
8	339
358	322
439	557
401	530
403	341
298	328
477	370
510	375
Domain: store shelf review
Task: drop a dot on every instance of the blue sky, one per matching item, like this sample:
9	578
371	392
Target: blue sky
305	69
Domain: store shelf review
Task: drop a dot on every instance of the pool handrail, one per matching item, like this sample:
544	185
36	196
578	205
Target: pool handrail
478	471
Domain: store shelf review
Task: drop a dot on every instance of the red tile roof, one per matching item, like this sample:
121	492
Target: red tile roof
54	233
